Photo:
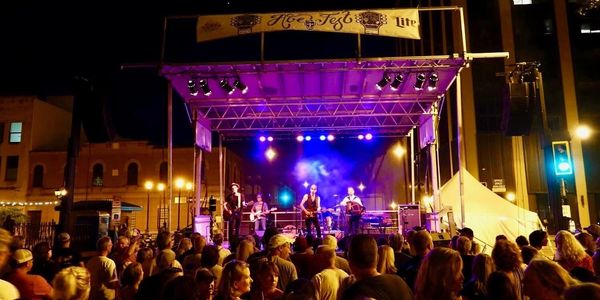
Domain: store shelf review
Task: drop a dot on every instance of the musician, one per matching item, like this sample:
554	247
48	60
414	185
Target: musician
259	210
233	210
354	209
310	205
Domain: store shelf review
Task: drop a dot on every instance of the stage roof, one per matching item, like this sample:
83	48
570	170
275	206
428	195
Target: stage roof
287	97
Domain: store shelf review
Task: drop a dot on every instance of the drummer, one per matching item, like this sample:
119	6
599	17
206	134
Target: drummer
349	201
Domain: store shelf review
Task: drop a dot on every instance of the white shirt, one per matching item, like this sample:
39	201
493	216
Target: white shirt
349	198
8	291
327	283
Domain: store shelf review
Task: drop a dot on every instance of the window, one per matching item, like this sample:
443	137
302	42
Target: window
98	175
38	176
522	2
12	168
164	172
14	136
132	174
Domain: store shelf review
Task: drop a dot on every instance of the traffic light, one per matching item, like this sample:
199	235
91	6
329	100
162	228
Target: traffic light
562	158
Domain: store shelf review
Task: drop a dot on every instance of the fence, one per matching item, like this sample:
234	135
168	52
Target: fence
34	233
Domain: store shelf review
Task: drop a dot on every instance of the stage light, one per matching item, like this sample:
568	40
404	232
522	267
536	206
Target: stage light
399	151
300	138
192	88
361	137
368	136
330	137
204	86
262	138
305	184
361	187
420	81
383	82
433	80
393	205
225	85
322	137
510	196
308	138
397	81
270	154
270	138
240	86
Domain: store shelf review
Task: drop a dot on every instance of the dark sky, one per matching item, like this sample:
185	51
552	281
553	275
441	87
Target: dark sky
46	44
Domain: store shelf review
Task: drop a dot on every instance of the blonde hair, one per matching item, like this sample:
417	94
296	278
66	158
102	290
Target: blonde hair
438	275
551	275
72	283
330	241
568	248
385	263
463	245
482	267
245	248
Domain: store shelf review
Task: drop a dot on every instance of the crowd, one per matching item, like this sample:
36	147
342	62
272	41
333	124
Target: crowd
279	267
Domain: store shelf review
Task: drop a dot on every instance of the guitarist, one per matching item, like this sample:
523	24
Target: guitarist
232	209
259	209
354	209
310	205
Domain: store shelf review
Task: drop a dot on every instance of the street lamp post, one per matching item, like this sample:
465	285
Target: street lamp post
179	183
189	187
148	185
161	188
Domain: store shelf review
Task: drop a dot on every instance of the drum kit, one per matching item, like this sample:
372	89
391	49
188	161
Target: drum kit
332	218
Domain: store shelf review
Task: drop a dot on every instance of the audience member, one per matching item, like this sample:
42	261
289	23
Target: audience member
64	255
103	271
463	246
528	253
29	286
570	253
340	262
218	242
130	281
206	283
440	275
385	263
7	289
521	241
279	253
42	265
583	291
587	241
72	283
500	287
210	260
422	243
545	279
235	281
145	256
507	258
475	288
327	282
265	287
468	232
181	287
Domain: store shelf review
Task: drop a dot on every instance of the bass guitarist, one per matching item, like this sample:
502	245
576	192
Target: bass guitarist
258	213
232	211
310	205
354	209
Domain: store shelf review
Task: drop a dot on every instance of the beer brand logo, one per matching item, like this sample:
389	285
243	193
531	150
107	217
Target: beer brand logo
371	21
244	23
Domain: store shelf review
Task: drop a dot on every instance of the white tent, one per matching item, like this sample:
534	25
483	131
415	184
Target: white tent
485	212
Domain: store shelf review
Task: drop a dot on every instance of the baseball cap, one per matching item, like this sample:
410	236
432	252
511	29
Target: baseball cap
63	237
468	232
235	184
22	255
279	240
593	229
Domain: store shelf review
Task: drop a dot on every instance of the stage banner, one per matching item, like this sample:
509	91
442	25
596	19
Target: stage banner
400	23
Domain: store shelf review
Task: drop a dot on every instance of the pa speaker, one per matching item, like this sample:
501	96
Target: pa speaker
518	108
441	239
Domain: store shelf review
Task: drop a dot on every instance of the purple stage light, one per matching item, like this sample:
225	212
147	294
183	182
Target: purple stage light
262	138
368	136
361	137
330	137
300	138
270	139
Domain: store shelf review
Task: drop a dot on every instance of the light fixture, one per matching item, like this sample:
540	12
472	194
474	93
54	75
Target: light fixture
420	81
262	138
583	132
225	85
270	154
383	82
433	80
300	138
330	137
308	138
397	81
322	137
368	136
270	138
240	86
192	88
361	136
204	86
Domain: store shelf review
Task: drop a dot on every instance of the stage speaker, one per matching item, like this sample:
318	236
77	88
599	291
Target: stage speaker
518	108
410	216
441	239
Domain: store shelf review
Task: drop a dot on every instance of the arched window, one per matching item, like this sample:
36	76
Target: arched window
38	176
98	175
132	174
164	172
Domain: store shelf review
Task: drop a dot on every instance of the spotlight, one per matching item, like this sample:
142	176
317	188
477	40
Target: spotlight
397	81
383	82
192	88
361	137
262	138
270	154
270	138
300	138
225	85
308	138
322	137
330	137
240	86
420	81
368	136
433	79
204	86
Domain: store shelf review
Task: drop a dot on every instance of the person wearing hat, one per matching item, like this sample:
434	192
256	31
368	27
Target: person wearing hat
7	289
29	286
65	256
279	253
232	211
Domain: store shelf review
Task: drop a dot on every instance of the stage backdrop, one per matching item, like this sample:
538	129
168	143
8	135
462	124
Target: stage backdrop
487	213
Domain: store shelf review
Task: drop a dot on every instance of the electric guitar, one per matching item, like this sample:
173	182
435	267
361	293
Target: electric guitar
234	212
261	215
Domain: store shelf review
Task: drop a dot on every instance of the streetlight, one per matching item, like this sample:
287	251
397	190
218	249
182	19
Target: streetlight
188	187
179	183
161	188
60	193
148	185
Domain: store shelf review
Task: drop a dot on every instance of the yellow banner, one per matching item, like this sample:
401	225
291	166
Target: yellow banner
400	23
